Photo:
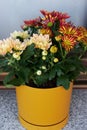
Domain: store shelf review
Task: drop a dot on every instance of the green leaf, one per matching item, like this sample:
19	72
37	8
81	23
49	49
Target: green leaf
17	82
10	80
40	79
8	77
52	74
3	62
27	53
24	73
63	81
69	68
59	72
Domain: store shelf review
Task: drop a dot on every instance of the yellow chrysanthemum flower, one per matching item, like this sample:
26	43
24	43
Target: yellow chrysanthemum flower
45	31
58	38
53	49
56	60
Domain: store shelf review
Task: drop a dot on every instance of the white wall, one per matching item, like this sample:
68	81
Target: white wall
14	12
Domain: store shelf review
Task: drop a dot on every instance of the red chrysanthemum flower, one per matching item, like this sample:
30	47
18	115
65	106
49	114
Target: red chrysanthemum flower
54	16
34	22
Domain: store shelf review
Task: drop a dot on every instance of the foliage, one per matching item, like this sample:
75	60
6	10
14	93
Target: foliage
46	53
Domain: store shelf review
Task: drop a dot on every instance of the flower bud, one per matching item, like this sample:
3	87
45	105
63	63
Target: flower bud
43	67
55	60
39	72
44	53
44	58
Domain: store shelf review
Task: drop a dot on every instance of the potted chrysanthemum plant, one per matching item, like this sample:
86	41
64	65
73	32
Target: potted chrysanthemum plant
43	61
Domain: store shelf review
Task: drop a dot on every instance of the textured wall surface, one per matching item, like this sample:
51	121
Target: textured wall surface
14	12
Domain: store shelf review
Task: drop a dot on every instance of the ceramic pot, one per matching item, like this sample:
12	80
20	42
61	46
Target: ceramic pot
43	109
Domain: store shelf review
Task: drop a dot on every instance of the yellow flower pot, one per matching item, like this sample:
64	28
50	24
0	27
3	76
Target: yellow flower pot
43	109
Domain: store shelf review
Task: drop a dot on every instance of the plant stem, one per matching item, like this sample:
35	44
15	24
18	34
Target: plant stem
61	51
63	54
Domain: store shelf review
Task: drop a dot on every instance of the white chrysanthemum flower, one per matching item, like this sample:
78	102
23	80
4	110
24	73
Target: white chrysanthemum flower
39	72
23	34
27	42
6	46
41	41
10	45
18	45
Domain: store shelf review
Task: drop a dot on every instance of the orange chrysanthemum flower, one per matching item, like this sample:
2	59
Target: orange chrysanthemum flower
46	31
70	30
84	40
83	30
68	42
83	33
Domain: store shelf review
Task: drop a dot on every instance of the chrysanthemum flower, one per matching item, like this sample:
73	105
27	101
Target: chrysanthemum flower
23	34
83	34
53	49
6	46
68	42
84	41
58	38
56	60
53	16
34	22
10	45
70	30
41	41
18	46
83	30
45	31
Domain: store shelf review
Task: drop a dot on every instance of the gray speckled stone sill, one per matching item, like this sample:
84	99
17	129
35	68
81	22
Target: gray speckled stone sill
8	111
